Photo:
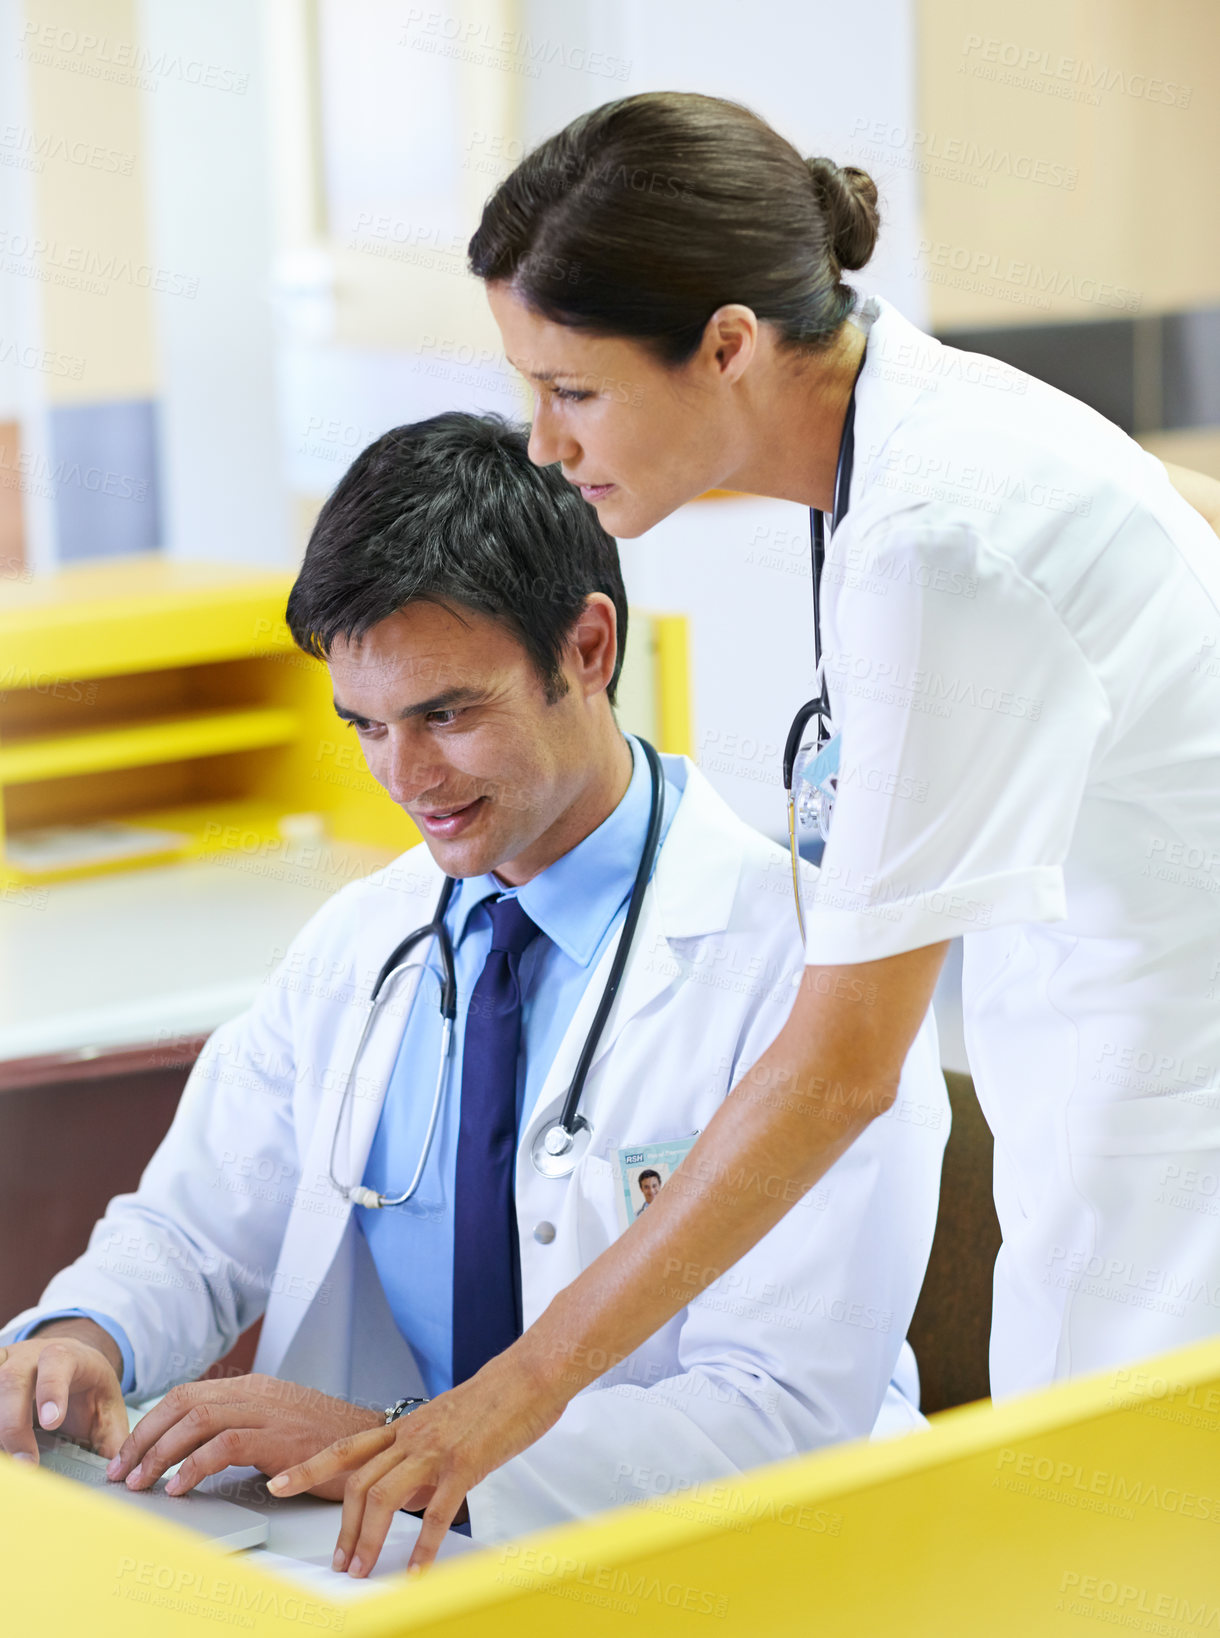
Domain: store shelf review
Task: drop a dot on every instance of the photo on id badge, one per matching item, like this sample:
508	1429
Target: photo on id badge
644	1171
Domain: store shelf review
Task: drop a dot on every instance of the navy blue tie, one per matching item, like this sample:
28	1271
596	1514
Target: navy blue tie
486	1261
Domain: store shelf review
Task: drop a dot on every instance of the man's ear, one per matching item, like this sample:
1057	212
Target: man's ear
591	648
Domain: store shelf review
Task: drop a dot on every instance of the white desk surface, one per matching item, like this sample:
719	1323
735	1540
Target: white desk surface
141	956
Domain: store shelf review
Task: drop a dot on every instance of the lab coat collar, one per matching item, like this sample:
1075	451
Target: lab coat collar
901	363
700	863
691	896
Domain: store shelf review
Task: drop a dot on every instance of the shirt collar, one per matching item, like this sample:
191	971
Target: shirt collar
574	900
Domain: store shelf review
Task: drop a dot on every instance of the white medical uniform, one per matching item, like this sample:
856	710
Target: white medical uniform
1023	650
798	1345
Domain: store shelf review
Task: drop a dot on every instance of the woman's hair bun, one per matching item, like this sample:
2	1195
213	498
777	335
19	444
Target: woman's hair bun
848	198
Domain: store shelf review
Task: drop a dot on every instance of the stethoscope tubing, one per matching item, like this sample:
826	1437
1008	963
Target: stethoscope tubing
435	929
648	854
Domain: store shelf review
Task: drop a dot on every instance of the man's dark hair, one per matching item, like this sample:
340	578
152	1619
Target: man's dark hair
648	1172
452	510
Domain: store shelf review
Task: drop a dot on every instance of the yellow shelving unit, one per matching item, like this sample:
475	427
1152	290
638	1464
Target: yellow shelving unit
175	739
152	710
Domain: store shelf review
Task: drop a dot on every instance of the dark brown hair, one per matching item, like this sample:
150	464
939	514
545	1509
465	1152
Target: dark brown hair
643	217
453	511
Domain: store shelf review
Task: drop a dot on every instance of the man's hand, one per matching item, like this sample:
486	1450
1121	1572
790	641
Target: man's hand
66	1378
244	1421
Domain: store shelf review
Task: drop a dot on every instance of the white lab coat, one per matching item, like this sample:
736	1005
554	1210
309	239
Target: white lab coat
792	1348
1021	620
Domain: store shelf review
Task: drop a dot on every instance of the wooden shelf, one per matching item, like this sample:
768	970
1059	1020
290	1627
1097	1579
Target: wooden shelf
131	745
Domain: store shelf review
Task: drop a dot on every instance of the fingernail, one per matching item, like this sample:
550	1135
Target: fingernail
174	1486
133	1478
22	1456
280	1482
415	1569
357	1568
112	1471
49	1413
339	1562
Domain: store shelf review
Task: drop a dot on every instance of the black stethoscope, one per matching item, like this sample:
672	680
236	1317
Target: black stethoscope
559	1145
811	770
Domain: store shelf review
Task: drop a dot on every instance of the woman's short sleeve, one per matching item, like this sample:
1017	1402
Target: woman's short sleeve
969	719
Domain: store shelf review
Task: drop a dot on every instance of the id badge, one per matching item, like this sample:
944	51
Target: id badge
643	1172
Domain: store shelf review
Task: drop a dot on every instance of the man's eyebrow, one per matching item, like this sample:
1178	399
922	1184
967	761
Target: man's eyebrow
439	702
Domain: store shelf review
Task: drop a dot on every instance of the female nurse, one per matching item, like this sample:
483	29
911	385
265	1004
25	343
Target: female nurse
1020	743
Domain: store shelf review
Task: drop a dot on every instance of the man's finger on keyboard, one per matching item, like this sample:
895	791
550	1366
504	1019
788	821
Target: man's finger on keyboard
176	1406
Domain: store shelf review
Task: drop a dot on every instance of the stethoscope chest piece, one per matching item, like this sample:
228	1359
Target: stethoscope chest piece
555	1151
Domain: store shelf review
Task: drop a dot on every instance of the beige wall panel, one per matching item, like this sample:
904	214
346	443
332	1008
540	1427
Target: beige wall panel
1195	447
12	522
1111	110
86	86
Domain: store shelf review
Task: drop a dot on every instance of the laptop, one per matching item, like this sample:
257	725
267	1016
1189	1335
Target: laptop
229	1527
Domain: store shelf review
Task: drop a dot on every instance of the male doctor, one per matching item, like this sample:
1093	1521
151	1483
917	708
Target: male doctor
472	614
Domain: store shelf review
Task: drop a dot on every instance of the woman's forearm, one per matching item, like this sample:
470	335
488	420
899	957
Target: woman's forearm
833	1068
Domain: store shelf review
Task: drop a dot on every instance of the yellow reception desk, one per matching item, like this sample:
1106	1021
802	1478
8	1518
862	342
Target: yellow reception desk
1093	1505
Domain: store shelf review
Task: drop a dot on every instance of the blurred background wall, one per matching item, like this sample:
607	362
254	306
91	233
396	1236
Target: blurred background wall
232	246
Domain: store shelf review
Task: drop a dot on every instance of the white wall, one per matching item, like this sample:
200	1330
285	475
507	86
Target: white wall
210	217
740	570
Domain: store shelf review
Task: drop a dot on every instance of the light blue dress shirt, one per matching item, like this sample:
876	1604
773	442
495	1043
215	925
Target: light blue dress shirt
579	903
